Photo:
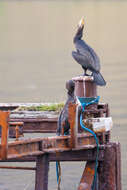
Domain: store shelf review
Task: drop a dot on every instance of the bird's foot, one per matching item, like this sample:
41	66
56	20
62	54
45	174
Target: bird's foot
85	74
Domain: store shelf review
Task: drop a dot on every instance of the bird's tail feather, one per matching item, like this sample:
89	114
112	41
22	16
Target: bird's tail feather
98	79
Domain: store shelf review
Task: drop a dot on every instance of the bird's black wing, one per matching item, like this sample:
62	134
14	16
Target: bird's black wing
88	53
86	61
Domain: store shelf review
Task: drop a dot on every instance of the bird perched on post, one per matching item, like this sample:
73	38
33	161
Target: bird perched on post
63	125
86	56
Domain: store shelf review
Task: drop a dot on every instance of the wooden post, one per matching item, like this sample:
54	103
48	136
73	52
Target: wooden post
118	167
42	167
4	135
73	125
85	87
110	168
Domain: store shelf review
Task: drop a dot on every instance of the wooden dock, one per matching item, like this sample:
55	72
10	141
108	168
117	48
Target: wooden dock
77	146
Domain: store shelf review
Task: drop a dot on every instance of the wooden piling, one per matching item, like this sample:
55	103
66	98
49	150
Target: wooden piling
118	167
110	168
42	167
85	87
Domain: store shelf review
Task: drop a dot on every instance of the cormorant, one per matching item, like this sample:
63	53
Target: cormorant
86	56
63	125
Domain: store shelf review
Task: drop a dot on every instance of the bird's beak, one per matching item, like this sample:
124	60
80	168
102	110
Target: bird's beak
81	23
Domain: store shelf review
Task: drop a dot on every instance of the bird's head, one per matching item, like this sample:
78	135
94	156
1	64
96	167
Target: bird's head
81	23
70	86
79	32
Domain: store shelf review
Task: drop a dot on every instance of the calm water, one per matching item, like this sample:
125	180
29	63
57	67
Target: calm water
35	62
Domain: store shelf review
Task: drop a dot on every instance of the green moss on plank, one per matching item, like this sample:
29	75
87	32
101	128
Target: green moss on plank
45	107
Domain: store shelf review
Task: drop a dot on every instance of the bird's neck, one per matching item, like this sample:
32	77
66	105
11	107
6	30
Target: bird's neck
79	34
70	95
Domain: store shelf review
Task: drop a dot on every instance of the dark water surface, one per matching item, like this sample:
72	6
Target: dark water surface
35	62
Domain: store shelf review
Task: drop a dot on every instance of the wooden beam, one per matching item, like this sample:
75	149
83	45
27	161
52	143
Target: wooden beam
21	148
72	155
87	176
37	125
17	168
32	147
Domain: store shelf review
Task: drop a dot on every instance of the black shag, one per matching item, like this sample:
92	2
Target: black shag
86	56
63	125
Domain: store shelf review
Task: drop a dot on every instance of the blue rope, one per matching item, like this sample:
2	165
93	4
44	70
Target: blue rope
57	172
90	131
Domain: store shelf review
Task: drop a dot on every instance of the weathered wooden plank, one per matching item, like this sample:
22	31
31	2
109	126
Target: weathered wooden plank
34	114
45	121
36	122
